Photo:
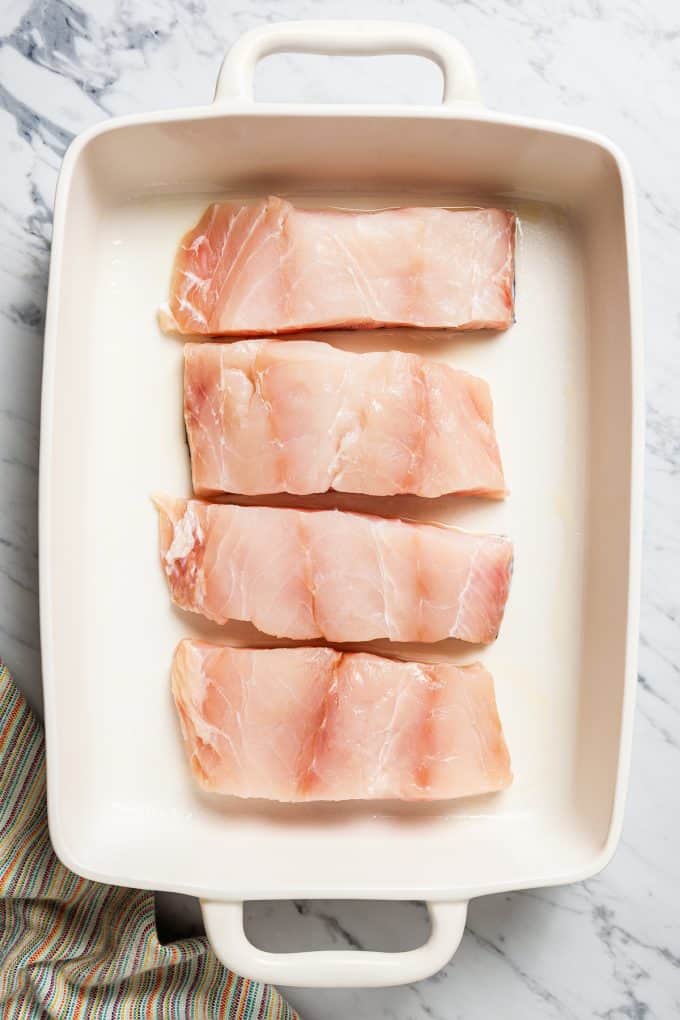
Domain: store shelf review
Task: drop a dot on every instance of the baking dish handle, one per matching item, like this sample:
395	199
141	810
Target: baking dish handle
348	38
342	968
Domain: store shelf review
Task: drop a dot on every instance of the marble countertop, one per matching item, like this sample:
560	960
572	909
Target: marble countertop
609	947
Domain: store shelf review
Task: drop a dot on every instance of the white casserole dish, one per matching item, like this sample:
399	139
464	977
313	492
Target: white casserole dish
566	381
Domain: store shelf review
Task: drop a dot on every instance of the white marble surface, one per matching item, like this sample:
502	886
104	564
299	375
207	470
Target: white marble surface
607	948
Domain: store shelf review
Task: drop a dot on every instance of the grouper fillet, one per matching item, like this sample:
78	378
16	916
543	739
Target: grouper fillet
304	417
304	724
268	268
331	574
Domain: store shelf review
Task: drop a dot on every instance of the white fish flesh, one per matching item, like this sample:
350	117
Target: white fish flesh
304	417
305	724
268	268
327	573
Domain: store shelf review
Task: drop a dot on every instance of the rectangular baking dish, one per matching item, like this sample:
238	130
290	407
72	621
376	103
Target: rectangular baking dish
566	381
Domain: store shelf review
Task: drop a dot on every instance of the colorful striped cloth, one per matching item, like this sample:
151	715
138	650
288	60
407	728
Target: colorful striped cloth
77	950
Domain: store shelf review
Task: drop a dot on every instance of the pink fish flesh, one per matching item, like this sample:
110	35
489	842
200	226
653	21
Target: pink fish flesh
301	724
331	574
270	268
305	417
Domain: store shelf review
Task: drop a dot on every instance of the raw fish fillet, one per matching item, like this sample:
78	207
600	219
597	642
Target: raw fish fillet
305	417
326	573
300	724
271	268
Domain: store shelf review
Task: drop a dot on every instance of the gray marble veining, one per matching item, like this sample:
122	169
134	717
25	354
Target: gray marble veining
609	947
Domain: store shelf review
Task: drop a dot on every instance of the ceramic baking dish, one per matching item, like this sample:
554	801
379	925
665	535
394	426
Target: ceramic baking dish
566	380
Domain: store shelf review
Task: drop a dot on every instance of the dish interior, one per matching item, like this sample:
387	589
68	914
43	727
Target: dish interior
560	379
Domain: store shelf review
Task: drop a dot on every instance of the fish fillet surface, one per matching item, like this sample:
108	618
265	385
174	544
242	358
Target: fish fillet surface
300	724
327	573
271	268
305	417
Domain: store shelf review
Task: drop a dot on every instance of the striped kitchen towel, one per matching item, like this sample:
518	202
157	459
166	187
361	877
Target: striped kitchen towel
72	949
